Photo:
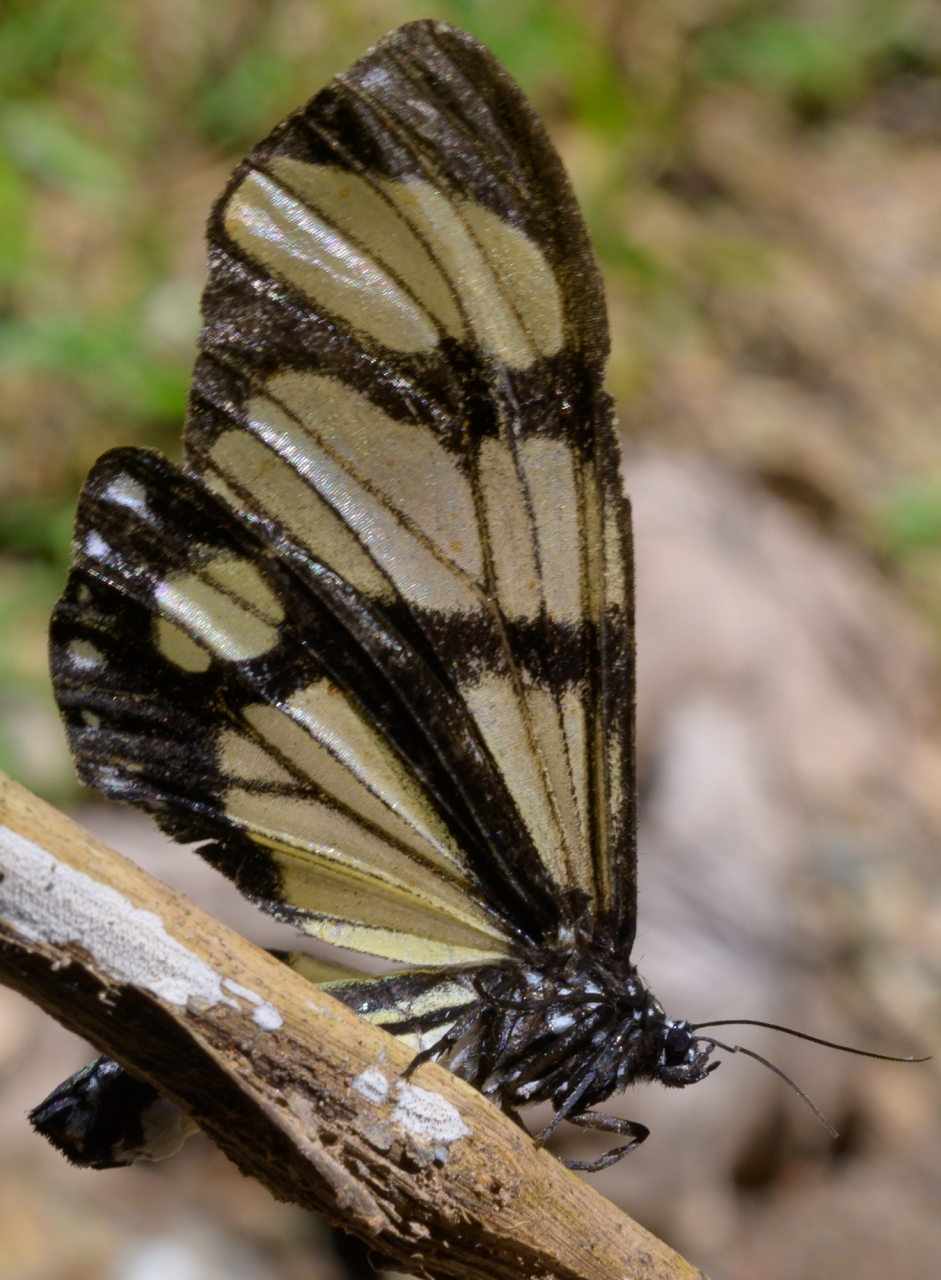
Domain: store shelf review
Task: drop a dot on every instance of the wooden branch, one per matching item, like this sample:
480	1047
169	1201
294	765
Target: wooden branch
297	1090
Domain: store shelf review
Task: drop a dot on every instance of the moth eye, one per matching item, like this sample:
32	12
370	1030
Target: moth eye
678	1042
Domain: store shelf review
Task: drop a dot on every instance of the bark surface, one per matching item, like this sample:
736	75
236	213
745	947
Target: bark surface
298	1091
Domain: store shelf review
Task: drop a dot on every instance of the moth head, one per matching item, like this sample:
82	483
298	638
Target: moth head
684	1058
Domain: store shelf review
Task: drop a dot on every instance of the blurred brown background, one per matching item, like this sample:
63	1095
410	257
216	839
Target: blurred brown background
763	184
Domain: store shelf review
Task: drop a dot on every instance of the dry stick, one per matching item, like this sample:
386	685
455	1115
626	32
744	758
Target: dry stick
298	1091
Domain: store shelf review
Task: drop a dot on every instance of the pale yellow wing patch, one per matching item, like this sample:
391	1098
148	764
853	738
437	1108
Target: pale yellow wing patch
495	705
326	741
416	477
333	871
510	532
562	750
366	216
331	720
523	273
225	604
278	490
179	648
548	471
282	232
403	262
322	852
322	972
475	263
360	850
401	945
408	560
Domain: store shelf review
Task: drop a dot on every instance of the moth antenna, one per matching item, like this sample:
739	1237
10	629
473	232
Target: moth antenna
802	1035
737	1048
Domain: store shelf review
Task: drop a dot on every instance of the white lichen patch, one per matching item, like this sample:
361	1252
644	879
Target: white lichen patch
48	901
265	1014
420	1111
371	1085
428	1114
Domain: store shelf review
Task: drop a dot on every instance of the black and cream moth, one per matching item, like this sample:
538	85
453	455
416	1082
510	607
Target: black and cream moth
372	644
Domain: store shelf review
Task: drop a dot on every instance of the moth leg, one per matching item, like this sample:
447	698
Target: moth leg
446	1043
608	1124
518	1119
421	1058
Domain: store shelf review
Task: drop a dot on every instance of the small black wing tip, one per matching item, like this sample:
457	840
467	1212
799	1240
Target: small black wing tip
406	37
406	33
92	1118
55	1123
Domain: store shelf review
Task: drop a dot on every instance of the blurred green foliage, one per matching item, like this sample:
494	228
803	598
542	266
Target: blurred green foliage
119	121
908	528
818	62
912	518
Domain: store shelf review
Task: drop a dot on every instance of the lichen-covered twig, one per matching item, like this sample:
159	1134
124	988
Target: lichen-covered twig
297	1090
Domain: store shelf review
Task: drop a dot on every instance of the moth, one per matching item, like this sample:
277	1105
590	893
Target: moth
372	643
